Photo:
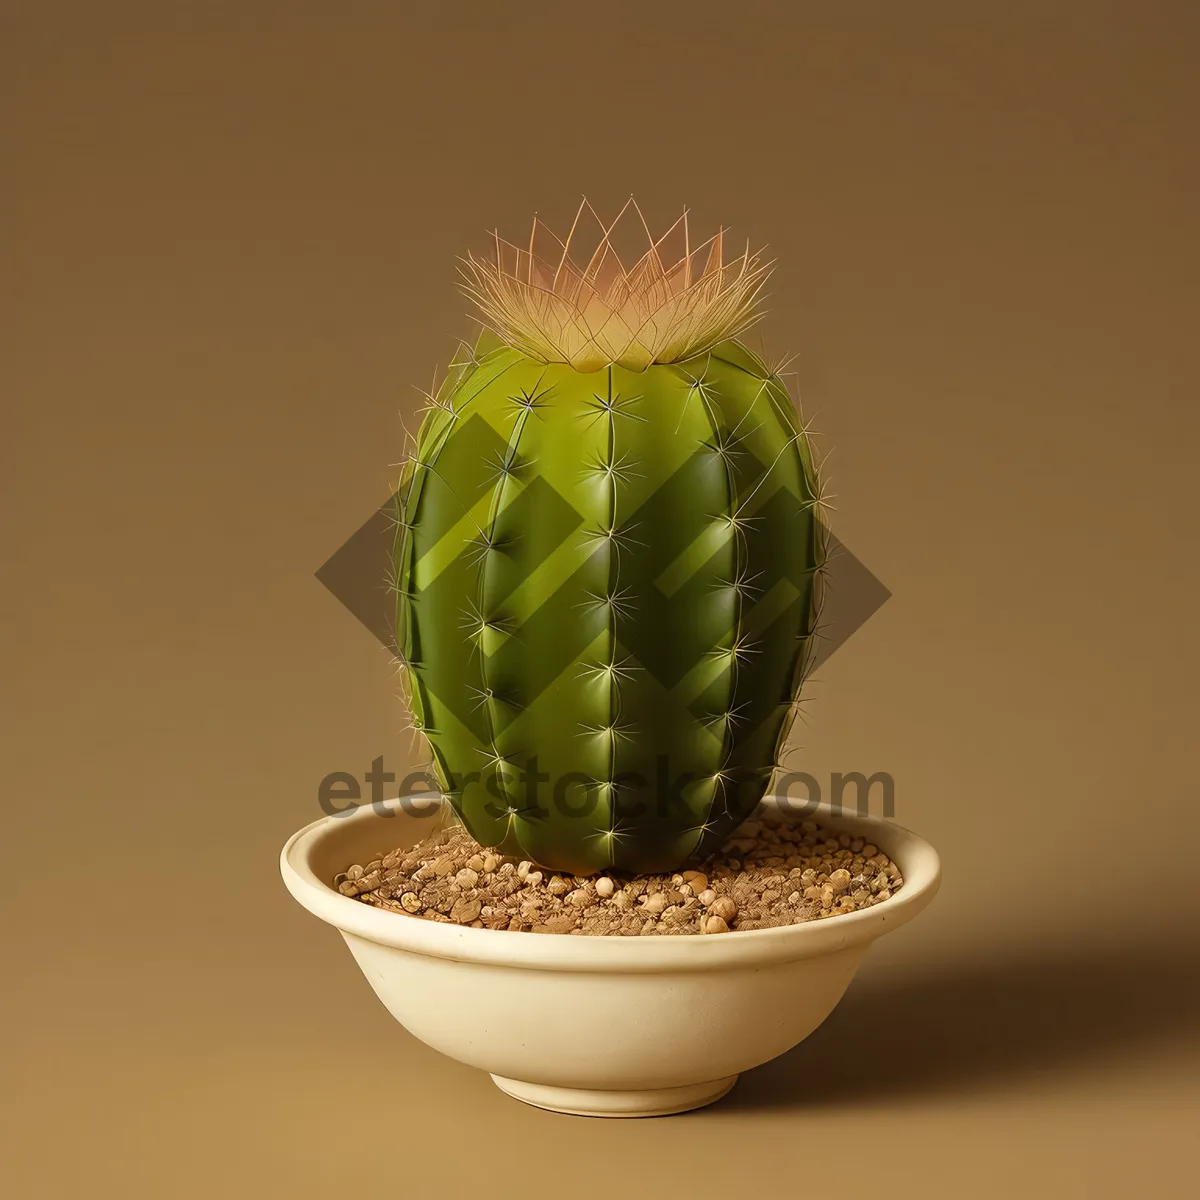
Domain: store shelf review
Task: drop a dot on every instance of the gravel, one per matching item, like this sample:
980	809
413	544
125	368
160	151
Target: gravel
774	870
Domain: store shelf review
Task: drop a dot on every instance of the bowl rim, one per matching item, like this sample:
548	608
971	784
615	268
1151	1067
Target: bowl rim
917	859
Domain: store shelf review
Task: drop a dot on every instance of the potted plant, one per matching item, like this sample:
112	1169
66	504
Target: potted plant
609	569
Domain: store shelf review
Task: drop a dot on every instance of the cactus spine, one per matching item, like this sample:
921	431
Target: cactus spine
608	562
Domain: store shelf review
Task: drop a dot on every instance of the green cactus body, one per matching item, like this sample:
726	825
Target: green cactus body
608	584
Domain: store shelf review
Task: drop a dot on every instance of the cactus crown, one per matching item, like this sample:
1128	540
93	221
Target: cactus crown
573	300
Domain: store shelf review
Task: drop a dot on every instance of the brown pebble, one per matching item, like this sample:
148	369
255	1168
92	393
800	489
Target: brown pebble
465	910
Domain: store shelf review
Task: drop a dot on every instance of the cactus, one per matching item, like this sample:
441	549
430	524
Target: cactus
608	557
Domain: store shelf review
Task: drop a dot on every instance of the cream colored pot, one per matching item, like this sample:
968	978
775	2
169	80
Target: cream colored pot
599	1026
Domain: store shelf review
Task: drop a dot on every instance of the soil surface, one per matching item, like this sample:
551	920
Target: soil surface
774	870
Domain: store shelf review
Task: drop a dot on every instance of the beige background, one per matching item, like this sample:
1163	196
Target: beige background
228	251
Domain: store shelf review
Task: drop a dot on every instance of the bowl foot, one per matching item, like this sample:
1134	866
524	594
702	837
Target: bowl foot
638	1102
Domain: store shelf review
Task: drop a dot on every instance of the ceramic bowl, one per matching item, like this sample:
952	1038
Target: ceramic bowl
599	1026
